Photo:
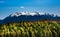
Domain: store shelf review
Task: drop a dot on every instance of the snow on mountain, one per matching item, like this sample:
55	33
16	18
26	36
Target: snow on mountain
29	16
26	13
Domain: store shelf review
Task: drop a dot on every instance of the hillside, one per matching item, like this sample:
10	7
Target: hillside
30	29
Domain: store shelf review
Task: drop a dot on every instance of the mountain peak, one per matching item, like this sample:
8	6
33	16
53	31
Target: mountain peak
26	13
29	16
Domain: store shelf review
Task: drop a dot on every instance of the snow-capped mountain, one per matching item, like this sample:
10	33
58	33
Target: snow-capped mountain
26	13
29	16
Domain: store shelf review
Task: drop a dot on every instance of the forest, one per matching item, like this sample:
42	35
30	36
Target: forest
30	29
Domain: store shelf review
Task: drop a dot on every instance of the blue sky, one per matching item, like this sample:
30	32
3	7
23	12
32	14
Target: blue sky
8	7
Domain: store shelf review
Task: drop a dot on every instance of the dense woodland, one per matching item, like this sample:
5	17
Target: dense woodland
30	29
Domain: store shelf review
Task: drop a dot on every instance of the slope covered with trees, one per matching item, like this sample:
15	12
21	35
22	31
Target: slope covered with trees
30	29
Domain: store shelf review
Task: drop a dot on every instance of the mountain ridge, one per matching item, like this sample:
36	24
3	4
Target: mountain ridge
26	13
25	16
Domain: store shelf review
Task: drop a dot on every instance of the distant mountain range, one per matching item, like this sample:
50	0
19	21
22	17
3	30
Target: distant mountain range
29	16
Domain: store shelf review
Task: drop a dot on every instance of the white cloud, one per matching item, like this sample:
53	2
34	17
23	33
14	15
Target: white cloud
22	7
